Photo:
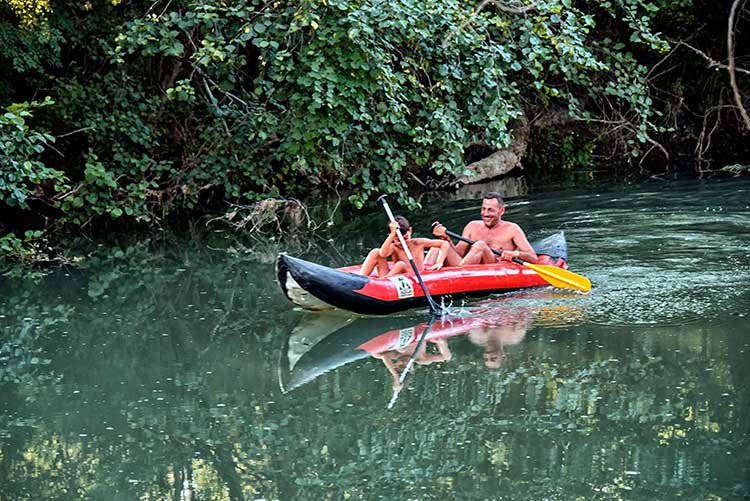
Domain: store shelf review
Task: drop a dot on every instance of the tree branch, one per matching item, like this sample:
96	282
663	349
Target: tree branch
512	10
712	63
730	58
500	5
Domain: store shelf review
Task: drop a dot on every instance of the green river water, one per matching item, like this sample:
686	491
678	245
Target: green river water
178	370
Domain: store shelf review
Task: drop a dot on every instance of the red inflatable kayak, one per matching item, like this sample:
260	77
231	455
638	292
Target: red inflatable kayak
316	287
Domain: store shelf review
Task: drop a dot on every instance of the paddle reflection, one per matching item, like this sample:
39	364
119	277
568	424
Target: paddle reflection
322	343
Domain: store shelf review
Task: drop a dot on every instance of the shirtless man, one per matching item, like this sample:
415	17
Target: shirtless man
508	328
489	233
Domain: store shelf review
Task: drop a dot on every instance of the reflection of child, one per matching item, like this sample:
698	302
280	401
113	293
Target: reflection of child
377	259
396	360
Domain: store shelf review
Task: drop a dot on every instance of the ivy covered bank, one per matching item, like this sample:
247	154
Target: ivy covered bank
137	111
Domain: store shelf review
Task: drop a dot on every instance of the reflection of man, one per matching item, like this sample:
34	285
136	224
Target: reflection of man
491	232
497	332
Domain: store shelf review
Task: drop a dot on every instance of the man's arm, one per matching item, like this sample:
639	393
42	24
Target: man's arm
524	248
467	233
439	231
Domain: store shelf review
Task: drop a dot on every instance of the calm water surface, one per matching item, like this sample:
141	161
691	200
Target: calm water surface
179	371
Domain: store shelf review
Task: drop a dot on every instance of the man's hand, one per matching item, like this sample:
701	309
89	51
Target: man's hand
435	267
509	255
439	230
393	225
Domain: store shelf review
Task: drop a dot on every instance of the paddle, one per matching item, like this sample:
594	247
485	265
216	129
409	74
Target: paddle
413	357
555	276
433	307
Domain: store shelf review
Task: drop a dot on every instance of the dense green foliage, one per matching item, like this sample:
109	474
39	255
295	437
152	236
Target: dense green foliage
21	147
159	108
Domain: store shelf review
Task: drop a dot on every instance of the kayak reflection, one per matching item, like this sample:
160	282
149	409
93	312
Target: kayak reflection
320	344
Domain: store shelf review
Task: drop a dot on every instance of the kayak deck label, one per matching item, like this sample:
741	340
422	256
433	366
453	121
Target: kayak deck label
404	286
405	337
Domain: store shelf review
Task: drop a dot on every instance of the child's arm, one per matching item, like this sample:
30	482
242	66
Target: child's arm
444	354
387	248
395	376
443	247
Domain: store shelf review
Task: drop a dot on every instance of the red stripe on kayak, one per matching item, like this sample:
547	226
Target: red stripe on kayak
496	276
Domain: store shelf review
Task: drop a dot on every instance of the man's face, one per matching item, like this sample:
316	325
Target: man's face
493	359
492	211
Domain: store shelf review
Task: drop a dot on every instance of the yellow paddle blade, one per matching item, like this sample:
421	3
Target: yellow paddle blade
562	279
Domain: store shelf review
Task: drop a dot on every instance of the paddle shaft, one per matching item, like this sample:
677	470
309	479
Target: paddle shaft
433	306
416	351
411	361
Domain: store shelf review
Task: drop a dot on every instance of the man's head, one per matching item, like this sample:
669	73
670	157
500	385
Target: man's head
492	209
494	357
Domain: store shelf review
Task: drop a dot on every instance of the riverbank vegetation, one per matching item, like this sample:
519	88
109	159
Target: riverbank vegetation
145	113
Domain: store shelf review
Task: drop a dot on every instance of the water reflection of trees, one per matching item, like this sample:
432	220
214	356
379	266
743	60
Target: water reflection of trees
597	425
163	376
145	375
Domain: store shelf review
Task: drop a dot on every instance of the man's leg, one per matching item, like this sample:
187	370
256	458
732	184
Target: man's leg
453	258
478	253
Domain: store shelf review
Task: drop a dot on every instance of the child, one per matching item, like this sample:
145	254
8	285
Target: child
396	360
377	258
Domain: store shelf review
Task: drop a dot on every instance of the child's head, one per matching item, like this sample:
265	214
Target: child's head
403	224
